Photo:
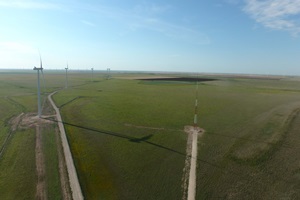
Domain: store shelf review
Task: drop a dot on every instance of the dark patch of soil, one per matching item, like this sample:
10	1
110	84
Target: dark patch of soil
181	79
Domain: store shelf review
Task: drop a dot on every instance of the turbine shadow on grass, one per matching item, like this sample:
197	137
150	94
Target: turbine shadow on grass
142	139
119	135
137	140
146	138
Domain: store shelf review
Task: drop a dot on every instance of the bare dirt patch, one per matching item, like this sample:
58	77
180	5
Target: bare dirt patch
192	129
14	122
31	120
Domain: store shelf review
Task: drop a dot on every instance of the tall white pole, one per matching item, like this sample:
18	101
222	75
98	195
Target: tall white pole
196	107
66	86
39	91
108	73
39	95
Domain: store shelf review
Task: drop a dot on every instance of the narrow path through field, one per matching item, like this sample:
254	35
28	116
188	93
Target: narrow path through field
191	162
192	178
40	166
73	178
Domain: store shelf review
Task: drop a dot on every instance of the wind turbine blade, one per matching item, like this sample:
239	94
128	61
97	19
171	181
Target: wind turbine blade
41	63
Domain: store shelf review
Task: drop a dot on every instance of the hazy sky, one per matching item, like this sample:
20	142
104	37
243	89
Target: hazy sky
234	36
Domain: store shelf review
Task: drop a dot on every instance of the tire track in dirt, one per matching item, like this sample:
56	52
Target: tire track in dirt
41	192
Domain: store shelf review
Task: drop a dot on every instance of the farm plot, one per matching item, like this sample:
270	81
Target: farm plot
128	140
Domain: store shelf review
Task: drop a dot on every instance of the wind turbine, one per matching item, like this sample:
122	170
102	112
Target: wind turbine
108	73
66	86
39	86
196	106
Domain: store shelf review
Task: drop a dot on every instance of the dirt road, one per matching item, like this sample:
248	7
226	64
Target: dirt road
73	178
191	162
40	166
192	178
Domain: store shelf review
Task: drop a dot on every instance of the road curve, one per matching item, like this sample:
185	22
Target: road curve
73	178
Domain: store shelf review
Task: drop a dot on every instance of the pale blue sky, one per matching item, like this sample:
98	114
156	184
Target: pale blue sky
231	36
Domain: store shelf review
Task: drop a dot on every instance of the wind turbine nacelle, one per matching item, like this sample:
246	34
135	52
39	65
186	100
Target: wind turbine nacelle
35	68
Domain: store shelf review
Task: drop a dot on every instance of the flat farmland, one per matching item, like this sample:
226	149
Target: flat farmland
128	141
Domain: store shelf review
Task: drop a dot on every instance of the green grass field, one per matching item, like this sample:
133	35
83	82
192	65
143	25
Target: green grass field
120	155
128	142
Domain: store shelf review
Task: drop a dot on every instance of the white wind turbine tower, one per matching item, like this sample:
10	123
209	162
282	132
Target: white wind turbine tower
66	86
196	106
39	86
92	73
108	73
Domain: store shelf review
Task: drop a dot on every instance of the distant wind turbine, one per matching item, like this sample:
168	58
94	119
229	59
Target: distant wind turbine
39	86
196	106
66	86
108	73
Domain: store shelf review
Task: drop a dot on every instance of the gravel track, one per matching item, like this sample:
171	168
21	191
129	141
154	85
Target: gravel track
73	178
189	190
